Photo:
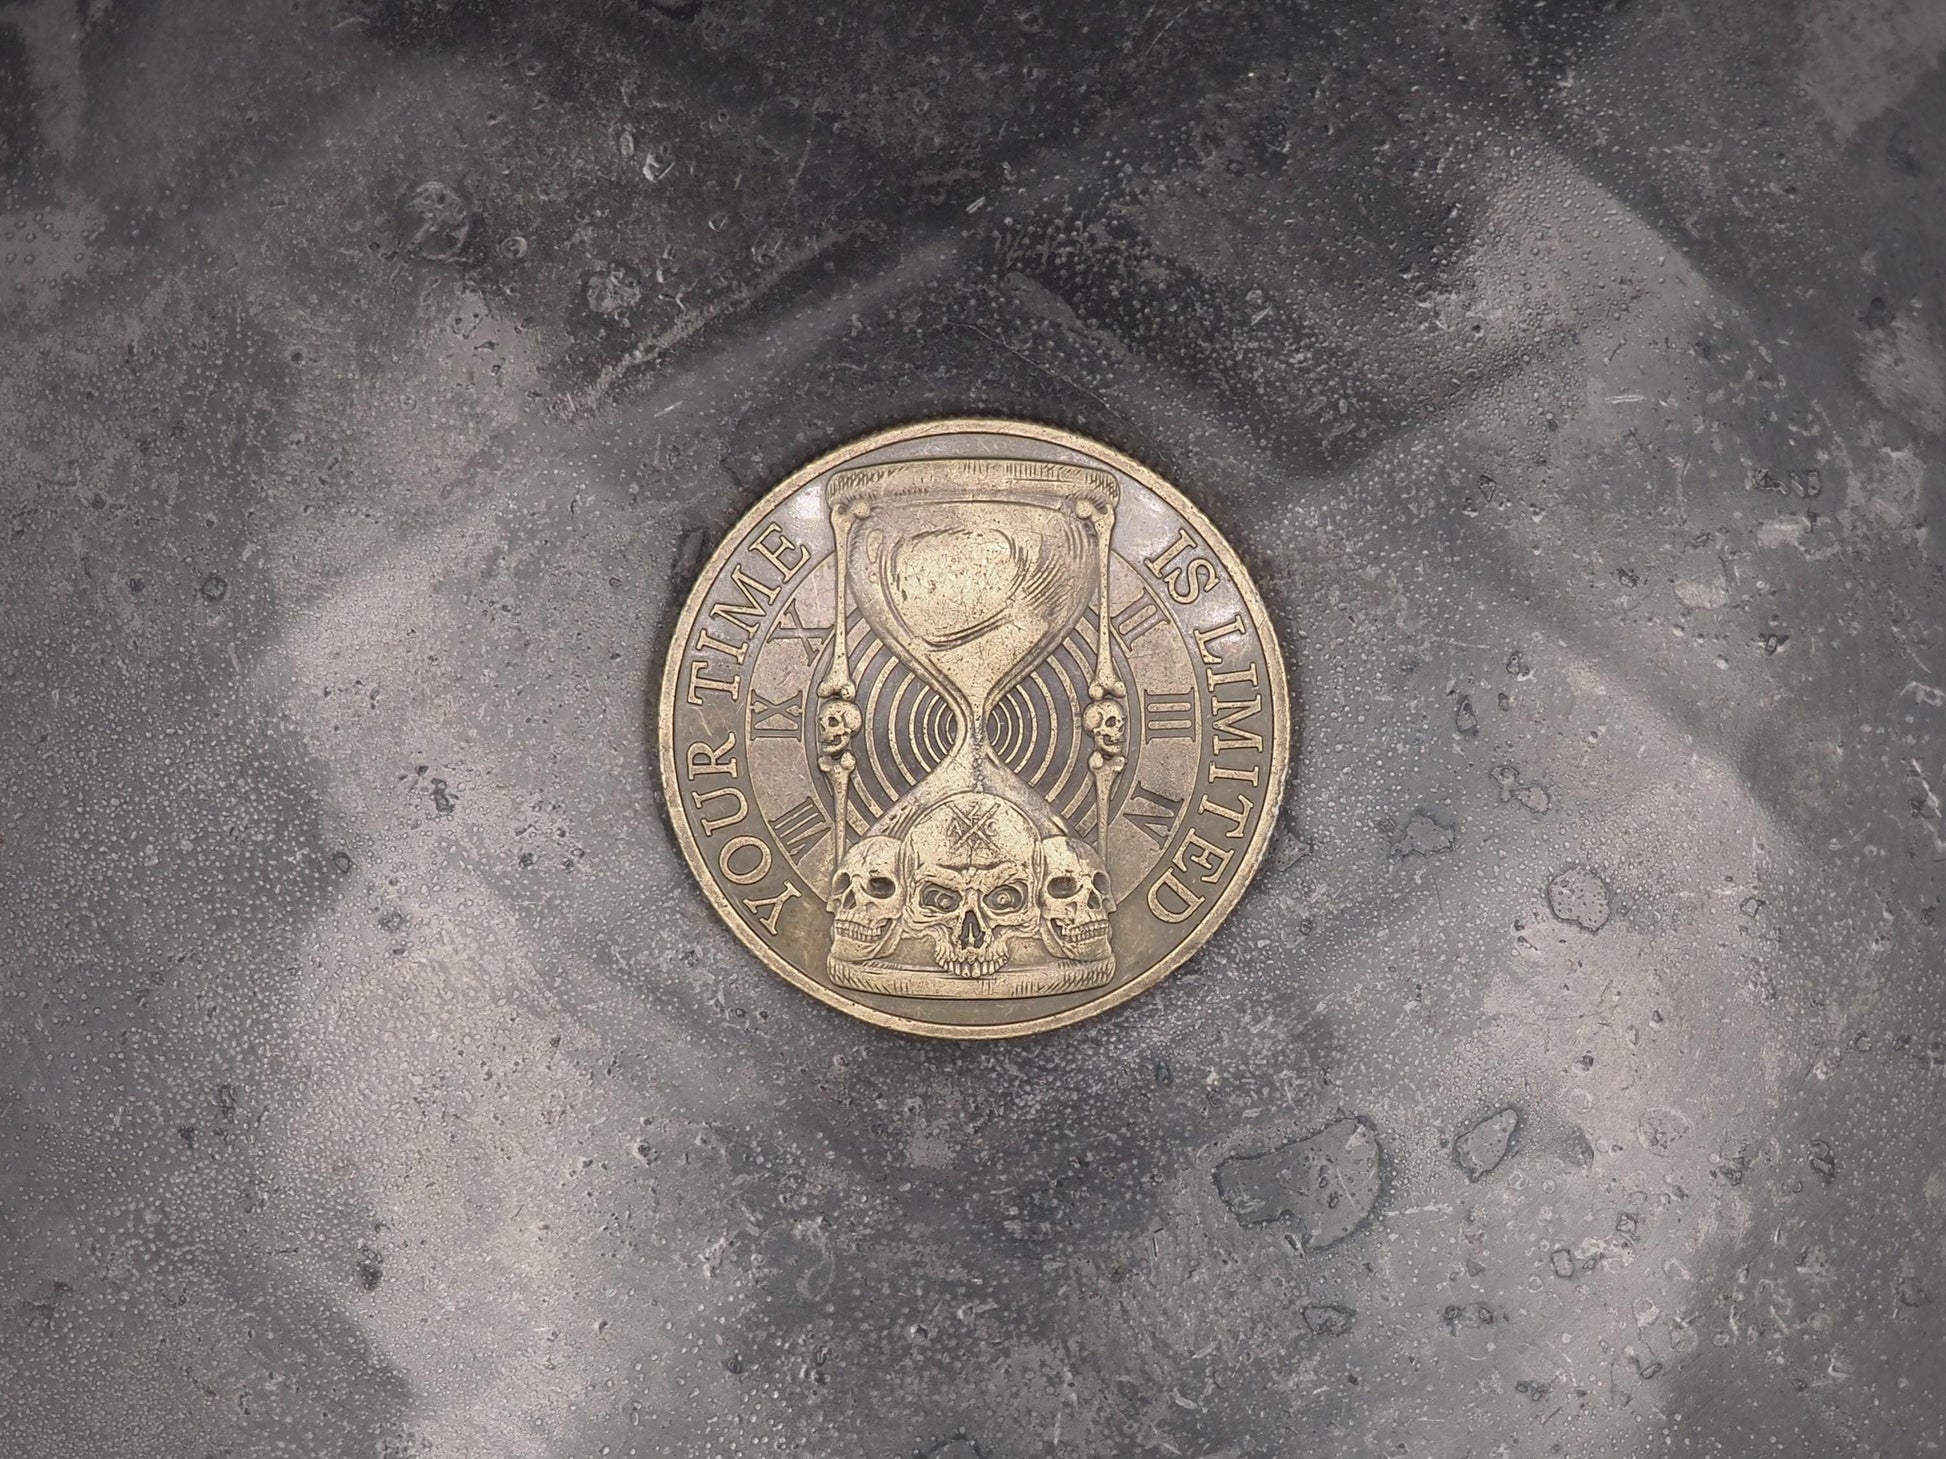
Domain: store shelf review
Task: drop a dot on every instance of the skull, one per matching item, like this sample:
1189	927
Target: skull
1107	721
970	872
1075	900
867	895
838	721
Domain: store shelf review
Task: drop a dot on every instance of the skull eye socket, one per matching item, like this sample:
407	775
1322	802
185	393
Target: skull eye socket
1062	886
936	898
1101	882
1009	898
879	887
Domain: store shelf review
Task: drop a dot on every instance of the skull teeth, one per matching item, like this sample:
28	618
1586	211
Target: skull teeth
1078	938
852	930
965	963
975	967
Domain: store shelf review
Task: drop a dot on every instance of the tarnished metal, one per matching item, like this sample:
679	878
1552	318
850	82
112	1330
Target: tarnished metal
974	728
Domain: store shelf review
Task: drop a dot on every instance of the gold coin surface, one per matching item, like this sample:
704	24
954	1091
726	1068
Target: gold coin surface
974	728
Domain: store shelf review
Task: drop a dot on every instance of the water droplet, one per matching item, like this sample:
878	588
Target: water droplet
1579	896
1326	1182
1328	1319
1483	1146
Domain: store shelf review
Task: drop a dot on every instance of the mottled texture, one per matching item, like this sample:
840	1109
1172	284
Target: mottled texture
378	372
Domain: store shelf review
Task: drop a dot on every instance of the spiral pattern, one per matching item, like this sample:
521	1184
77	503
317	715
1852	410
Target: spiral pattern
1035	730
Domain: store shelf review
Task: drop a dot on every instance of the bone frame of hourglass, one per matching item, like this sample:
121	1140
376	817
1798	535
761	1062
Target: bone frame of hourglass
912	540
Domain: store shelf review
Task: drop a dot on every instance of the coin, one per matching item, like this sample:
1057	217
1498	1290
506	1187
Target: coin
974	728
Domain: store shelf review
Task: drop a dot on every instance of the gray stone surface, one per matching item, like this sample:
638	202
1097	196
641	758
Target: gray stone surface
376	373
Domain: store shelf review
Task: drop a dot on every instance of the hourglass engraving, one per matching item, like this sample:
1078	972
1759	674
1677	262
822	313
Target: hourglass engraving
970	572
973	728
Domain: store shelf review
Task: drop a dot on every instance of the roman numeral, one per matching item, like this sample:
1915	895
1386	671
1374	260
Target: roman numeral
1137	618
776	719
1157	823
1165	716
810	637
800	828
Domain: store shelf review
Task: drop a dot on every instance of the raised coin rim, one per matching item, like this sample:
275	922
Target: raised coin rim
1050	435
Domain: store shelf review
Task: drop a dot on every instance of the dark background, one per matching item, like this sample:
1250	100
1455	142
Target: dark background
375	1081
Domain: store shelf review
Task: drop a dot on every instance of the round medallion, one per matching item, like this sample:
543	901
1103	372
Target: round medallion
974	728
